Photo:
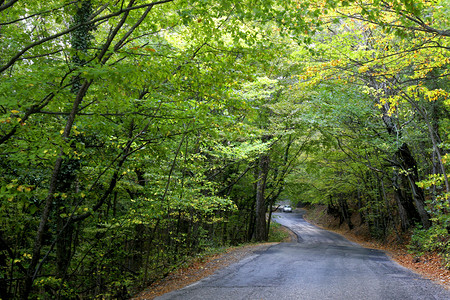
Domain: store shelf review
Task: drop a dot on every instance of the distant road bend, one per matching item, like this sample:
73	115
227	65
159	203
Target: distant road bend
322	265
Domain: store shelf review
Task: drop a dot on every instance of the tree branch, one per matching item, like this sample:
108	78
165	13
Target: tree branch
91	22
7	4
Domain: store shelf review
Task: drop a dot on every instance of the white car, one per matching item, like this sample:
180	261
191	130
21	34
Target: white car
287	208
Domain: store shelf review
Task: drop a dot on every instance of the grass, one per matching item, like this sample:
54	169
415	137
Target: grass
278	233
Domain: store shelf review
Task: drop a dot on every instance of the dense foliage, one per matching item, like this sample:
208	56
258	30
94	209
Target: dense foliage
374	85
135	134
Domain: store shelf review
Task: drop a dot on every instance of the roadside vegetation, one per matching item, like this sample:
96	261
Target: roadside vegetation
137	134
278	234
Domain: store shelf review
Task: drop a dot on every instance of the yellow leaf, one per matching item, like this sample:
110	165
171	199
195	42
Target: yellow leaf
363	69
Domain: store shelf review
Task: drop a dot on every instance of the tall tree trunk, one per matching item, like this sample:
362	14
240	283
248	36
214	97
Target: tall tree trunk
407	212
260	207
345	213
360	205
409	165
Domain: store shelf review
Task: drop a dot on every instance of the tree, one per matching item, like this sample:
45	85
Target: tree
108	105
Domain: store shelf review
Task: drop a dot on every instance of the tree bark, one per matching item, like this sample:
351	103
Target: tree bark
407	212
260	208
409	165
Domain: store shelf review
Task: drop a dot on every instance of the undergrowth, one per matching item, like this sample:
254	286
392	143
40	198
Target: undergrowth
435	239
277	234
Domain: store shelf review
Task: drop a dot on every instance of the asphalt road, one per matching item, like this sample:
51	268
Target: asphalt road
322	265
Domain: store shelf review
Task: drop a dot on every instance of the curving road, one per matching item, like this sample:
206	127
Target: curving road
322	265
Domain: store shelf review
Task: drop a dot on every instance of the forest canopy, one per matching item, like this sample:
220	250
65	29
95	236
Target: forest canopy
137	133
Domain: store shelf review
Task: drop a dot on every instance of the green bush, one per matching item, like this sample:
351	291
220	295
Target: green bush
435	239
276	234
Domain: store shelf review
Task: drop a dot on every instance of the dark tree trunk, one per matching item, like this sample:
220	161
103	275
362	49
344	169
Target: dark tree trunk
407	212
269	220
345	213
360	206
250	216
409	165
261	207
